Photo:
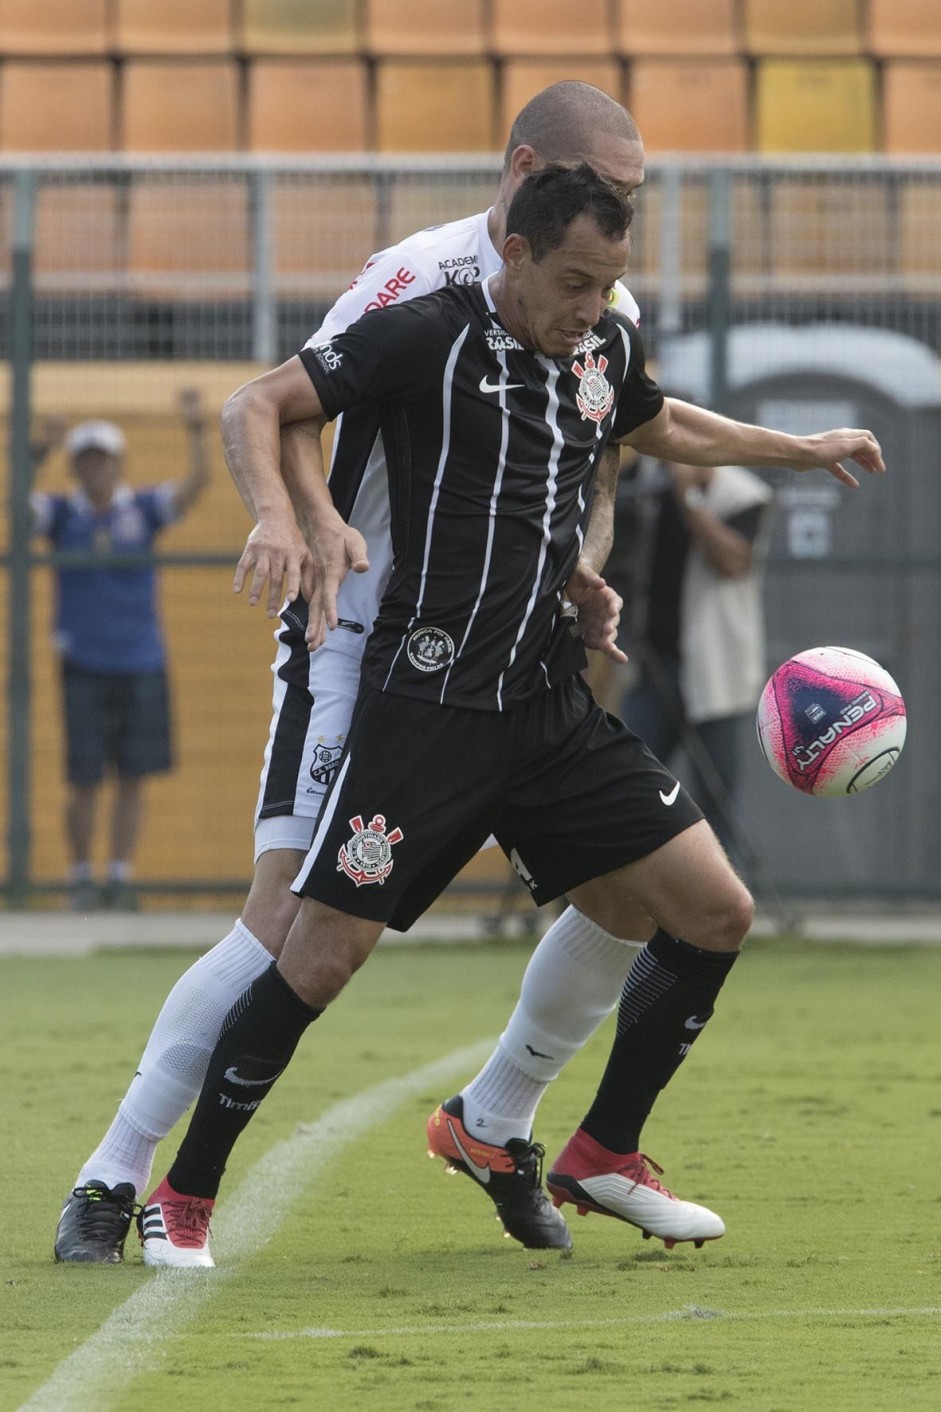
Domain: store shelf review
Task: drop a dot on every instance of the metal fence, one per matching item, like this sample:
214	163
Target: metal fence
801	293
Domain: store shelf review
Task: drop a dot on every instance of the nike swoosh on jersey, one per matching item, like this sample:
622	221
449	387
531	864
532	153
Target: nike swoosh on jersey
670	798
486	386
232	1074
481	1173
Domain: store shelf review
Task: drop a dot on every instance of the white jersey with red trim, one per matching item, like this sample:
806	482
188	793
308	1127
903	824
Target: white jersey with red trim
460	252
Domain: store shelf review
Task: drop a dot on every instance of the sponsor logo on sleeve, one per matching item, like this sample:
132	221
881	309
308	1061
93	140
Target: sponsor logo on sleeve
328	357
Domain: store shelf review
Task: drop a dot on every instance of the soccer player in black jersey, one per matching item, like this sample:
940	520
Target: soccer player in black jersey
473	717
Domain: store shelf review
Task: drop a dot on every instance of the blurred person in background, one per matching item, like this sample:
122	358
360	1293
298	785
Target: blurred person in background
115	695
698	540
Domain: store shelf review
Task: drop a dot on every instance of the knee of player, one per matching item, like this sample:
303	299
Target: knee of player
738	915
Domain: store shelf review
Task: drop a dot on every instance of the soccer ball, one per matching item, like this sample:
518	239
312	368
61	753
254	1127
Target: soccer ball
831	721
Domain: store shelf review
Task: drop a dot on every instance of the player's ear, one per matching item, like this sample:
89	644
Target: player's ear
515	252
524	160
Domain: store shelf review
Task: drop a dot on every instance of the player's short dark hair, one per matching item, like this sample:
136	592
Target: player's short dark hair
561	122
548	201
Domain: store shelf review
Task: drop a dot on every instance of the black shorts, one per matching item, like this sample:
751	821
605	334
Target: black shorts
569	792
116	719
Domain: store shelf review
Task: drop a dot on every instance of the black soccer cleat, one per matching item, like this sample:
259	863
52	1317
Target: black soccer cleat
511	1176
94	1223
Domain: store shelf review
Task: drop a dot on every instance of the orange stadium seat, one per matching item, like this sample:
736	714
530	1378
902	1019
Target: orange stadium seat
904	29
46	27
323	230
56	107
690	105
78	234
173	27
810	218
911	106
307	105
676	28
823	27
180	106
556	27
522	78
434	107
188	239
417	27
919	219
300	27
815	106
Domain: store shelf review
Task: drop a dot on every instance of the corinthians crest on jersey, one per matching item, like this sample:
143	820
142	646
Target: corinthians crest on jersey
367	856
595	395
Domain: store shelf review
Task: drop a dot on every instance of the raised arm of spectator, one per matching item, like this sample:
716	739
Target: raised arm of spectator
188	490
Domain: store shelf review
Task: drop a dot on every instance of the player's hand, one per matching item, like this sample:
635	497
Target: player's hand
599	611
829	449
276	554
337	550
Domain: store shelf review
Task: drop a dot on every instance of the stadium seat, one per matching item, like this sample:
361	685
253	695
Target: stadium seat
904	29
917	226
419	27
47	27
201	116
434	107
690	105
299	27
78	235
822	28
688	230
522	78
416	200
323	230
815	106
56	107
307	105
828	234
676	28
173	27
553	27
189	239
911	106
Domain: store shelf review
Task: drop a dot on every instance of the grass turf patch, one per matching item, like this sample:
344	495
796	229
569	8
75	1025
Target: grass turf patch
808	1116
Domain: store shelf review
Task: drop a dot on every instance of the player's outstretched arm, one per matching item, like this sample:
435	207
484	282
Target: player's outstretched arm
697	437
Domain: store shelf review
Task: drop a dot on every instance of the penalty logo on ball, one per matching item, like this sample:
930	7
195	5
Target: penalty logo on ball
831	721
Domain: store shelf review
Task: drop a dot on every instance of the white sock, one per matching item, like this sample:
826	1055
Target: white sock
573	982
173	1065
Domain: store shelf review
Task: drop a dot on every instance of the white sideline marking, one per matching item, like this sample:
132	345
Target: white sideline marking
689	1312
131	1339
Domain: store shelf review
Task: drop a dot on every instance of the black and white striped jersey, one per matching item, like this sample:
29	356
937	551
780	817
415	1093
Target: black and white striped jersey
491	452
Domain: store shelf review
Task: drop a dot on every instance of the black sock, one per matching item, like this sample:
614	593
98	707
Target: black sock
258	1037
669	994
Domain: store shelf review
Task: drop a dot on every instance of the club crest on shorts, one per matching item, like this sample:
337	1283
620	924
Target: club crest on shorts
324	766
595	395
367	856
430	649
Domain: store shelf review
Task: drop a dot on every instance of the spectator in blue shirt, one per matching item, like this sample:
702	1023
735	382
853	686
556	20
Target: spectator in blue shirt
108	634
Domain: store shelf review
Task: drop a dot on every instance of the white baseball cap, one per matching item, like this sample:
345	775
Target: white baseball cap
95	436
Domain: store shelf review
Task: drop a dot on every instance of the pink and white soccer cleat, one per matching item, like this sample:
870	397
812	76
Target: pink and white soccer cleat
174	1229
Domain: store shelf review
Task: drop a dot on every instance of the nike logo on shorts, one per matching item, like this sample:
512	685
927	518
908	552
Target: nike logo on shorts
486	386
670	798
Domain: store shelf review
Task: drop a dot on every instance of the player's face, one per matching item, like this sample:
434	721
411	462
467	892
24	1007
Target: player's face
553	303
619	161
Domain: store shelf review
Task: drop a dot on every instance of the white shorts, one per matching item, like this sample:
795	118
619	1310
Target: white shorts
311	709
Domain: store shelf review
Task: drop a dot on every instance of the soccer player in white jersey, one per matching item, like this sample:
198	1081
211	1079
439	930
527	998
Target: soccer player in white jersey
576	973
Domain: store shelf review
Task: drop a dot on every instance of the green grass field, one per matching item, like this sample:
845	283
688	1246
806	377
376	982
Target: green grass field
353	1274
